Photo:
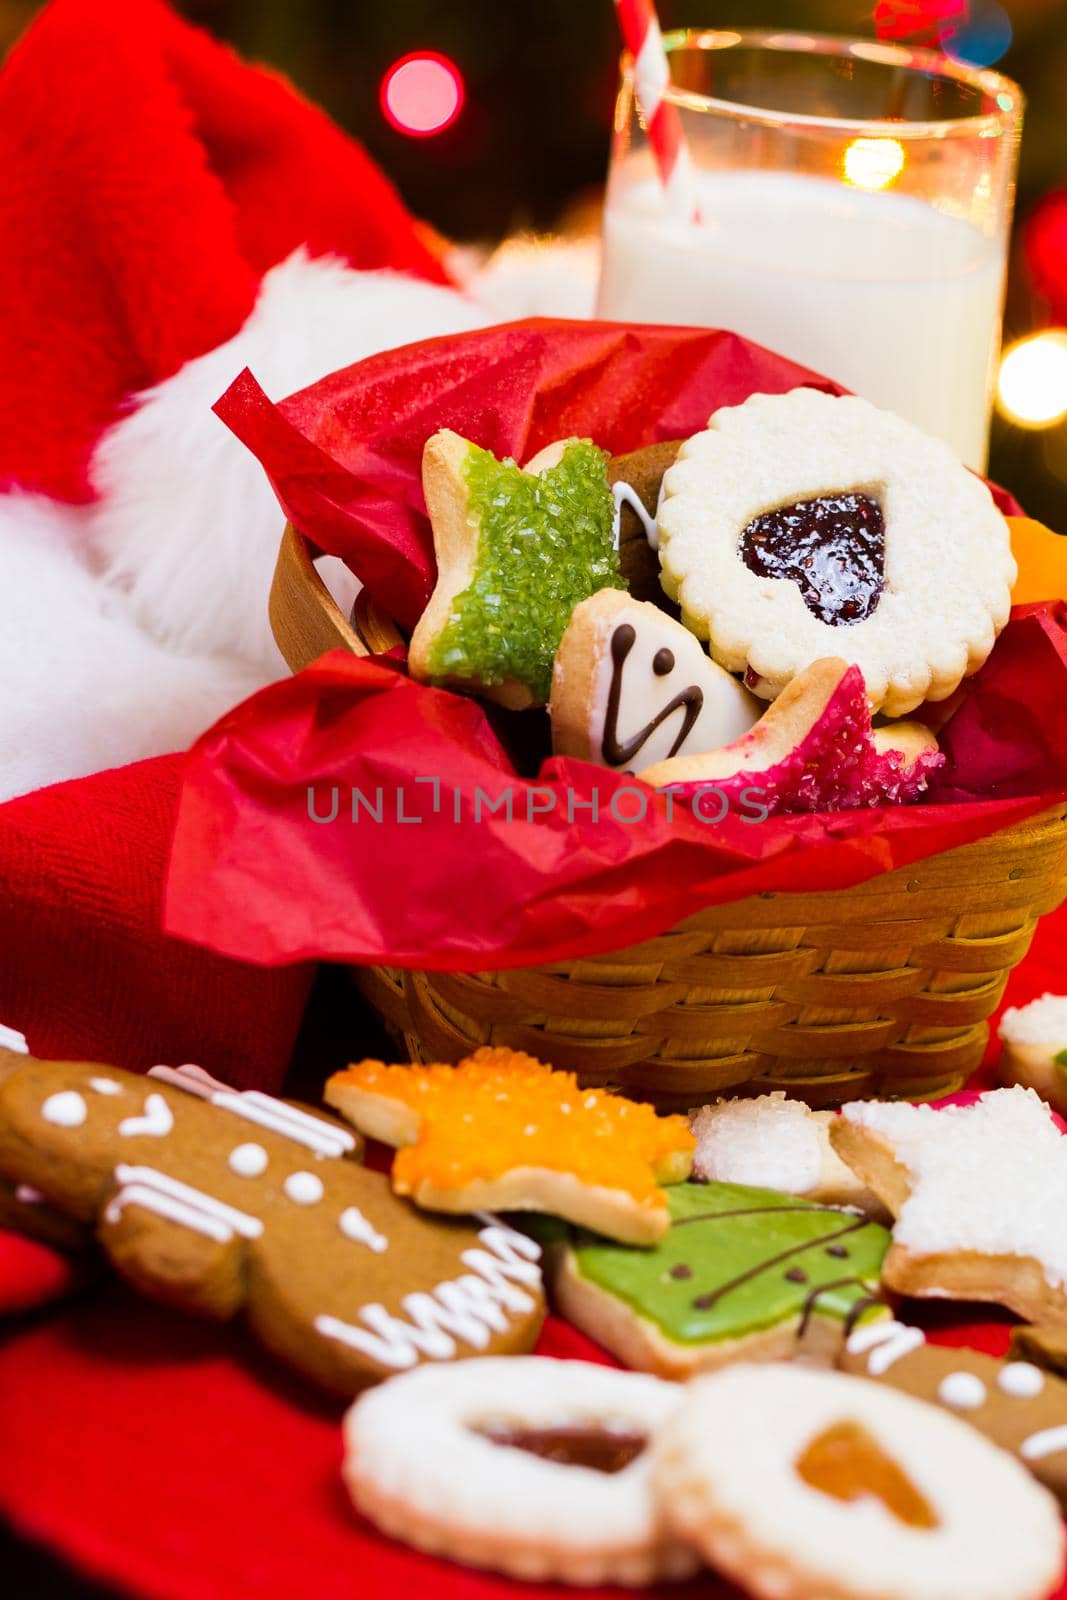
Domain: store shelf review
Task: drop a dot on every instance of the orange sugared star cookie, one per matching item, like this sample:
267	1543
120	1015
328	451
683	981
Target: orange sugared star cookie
503	1131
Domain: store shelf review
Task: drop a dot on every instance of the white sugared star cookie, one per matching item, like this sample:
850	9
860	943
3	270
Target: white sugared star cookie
979	1194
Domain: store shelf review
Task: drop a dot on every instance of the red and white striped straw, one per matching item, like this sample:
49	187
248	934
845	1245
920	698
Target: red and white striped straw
642	37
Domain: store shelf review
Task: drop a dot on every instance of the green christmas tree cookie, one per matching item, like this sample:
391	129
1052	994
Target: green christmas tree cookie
516	552
742	1275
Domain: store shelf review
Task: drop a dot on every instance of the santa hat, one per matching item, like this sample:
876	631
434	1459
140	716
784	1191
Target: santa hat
169	216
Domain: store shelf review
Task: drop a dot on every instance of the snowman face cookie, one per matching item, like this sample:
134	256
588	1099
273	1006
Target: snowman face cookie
806	525
218	1202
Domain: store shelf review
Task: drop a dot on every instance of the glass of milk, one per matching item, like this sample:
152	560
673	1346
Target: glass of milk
852	206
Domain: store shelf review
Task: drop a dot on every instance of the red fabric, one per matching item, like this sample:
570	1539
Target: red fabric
32	1275
174	1460
150	179
85	971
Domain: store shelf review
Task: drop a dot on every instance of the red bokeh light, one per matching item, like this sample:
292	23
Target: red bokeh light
422	93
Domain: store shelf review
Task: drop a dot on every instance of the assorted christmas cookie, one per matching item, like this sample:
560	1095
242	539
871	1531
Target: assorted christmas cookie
503	1130
533	1467
773	1142
1035	1048
637	486
799	1483
219	1202
631	687
516	551
814	749
743	1274
806	525
1014	1403
978	1193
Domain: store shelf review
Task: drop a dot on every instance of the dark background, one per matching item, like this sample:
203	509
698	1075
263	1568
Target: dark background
532	140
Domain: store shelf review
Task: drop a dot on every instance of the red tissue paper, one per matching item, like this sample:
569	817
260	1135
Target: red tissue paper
352	814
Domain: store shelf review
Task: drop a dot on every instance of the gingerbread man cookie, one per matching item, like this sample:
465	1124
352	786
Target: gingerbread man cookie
631	687
1014	1403
804	525
218	1202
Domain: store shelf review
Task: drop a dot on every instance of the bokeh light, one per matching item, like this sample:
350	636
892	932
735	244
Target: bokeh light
1032	388
873	163
422	94
981	38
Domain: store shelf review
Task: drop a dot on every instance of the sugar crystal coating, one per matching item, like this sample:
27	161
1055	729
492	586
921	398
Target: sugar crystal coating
989	1177
501	1109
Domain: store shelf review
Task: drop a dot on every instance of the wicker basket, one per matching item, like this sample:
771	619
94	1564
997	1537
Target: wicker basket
883	989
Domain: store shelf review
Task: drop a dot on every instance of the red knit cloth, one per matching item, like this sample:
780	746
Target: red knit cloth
85	971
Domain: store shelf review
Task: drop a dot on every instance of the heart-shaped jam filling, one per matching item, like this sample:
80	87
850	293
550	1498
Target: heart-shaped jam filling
846	1462
833	549
600	1449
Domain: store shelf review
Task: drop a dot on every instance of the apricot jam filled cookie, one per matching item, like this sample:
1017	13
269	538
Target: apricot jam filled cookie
805	525
807	1485
501	1129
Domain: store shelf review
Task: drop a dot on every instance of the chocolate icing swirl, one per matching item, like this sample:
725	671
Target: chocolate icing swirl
620	754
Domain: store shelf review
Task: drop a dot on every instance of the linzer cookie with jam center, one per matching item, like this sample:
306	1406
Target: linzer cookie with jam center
219	1202
534	1467
807	1485
805	525
743	1274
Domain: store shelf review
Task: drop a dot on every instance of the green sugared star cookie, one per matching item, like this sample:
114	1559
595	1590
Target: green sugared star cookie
516	552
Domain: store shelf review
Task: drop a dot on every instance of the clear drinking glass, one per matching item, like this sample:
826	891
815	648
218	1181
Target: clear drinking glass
854	205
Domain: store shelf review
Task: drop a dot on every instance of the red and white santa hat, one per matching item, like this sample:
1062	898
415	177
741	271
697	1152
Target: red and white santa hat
169	216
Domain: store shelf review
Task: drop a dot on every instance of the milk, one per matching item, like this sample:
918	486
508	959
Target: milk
893	298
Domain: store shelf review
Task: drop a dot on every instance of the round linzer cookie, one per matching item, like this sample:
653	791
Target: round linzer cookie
219	1202
744	1274
534	1467
806	525
804	1484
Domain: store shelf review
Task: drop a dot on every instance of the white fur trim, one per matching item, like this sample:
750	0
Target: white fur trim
187	527
80	687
